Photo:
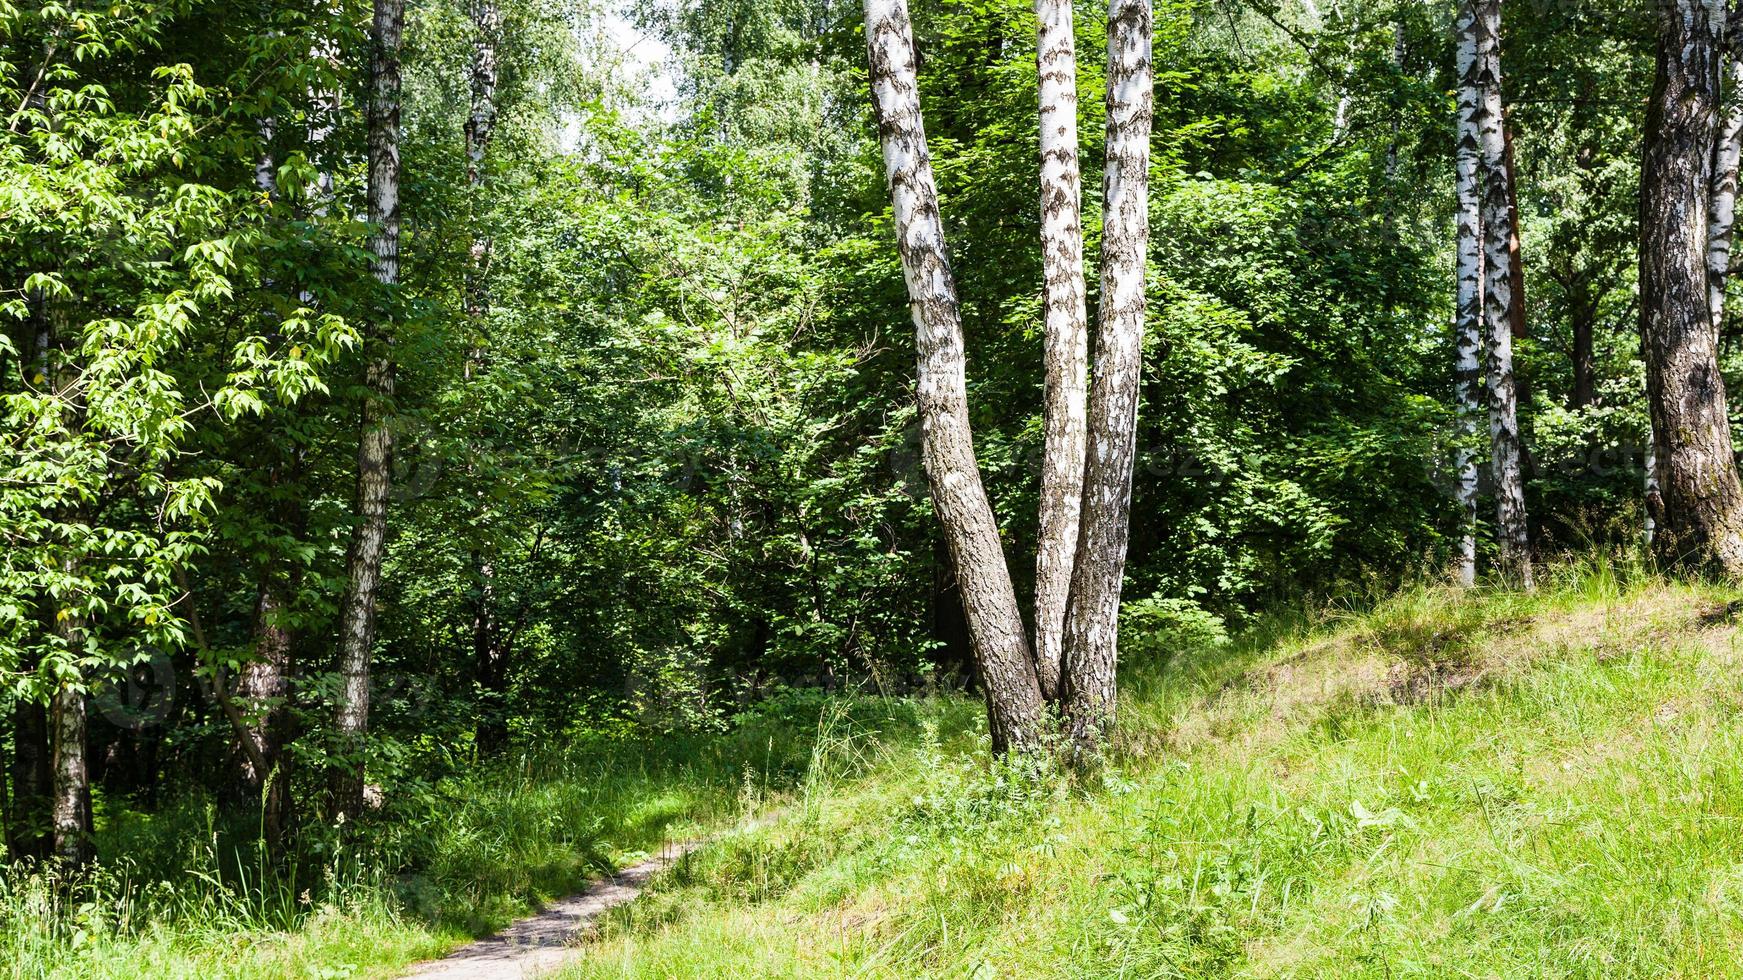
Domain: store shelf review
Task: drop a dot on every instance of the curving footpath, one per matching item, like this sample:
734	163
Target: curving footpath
540	943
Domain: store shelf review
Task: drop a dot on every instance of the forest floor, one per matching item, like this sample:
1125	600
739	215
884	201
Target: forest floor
1441	784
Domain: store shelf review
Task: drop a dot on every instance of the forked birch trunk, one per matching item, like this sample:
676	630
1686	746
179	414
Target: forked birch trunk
1093	617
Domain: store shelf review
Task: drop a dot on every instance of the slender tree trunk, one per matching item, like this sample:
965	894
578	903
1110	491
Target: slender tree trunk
375	446
480	126
1583	317
1722	214
1468	325
1067	336
1093	616
1515	244
1506	451
27	833
27	827
69	812
1701	500
490	659
70	805
995	623
263	692
490	654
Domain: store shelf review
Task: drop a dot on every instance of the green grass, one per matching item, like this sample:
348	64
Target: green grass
1445	784
1439	784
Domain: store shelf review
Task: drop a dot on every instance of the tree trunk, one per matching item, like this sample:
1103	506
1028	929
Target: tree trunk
263	692
1583	316
490	660
490	653
480	125
1067	339
1506	451
1701	500
995	623
70	795
375	446
1515	244
1093	616
1722	214
27	833
1468	325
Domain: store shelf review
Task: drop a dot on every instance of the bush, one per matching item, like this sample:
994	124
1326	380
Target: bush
1155	630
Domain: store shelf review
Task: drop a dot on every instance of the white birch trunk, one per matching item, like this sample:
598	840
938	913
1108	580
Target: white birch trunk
1468	324
1727	153
1067	336
1093	616
995	623
1505	446
69	806
375	446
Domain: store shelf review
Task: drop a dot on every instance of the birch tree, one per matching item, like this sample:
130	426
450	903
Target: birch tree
1066	332
995	624
1468	324
375	445
1700	500
1727	153
1092	617
1506	451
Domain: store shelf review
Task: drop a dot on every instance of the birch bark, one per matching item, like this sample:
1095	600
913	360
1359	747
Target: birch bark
1468	324
375	445
1727	153
995	624
1092	616
1067	336
1506	451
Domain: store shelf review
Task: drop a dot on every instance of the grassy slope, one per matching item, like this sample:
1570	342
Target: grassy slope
1489	786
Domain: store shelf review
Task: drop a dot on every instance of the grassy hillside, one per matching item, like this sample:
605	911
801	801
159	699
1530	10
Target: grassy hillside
1482	785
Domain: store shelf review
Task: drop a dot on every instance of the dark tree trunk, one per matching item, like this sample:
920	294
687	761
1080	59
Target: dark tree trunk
1092	621
1583	316
27	829
1515	244
375	446
490	660
263	692
1700	501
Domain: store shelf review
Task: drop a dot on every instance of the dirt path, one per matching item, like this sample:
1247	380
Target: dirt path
540	943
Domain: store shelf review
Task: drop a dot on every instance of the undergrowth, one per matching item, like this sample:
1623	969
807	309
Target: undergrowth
1438	782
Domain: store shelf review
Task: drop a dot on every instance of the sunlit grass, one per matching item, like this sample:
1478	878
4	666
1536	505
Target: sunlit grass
1433	783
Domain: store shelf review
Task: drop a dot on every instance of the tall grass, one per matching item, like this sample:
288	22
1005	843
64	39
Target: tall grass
1573	812
180	892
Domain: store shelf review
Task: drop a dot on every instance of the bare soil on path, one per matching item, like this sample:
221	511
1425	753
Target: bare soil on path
541	943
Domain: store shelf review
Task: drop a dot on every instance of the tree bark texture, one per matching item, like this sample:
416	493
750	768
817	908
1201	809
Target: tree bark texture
1506	450
480	126
263	692
1468	323
375	445
1066	333
995	623
1700	499
1093	615
1727	153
